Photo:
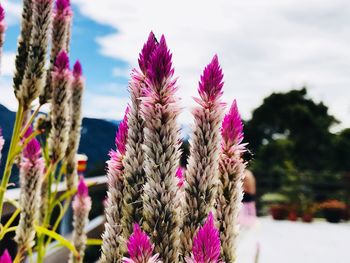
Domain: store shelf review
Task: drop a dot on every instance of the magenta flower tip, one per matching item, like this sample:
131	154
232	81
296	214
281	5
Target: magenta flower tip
2	13
5	258
211	82
62	5
206	244
160	65
32	150
139	245
122	133
232	126
82	190
146	52
180	176
62	61
77	69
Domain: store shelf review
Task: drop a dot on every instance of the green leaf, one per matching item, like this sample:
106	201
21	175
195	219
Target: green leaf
60	239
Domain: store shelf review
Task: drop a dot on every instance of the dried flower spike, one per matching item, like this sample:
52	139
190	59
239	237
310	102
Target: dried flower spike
160	109
202	169
140	248
60	33
31	176
206	244
34	74
61	80
134	173
111	238
5	258
2	28
75	106
81	208
231	169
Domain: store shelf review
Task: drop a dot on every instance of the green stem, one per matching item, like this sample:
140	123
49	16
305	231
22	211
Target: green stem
9	161
30	121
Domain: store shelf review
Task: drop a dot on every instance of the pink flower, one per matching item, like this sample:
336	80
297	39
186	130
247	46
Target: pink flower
160	65
2	19
232	130
211	82
62	61
180	175
32	150
206	244
63	9
140	248
77	69
83	190
5	258
2	142
122	134
147	51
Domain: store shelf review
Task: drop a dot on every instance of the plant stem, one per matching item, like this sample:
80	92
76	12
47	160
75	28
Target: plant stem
30	121
10	158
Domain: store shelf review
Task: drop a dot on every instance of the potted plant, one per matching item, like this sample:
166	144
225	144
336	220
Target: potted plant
279	211
277	205
333	210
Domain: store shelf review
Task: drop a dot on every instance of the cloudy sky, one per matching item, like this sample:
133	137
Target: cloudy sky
263	46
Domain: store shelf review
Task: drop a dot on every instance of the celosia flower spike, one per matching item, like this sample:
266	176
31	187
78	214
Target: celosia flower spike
147	51
160	65
2	25
206	244
62	61
211	82
232	126
122	134
77	69
115	171
5	258
81	208
2	13
202	176
231	169
31	177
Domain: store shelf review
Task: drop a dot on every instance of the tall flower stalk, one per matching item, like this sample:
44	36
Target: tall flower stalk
23	46
75	125
31	176
111	238
81	208
160	109
206	244
134	173
140	248
34	74
60	25
202	170
231	180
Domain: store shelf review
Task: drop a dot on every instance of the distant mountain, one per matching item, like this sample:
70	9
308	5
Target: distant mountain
96	141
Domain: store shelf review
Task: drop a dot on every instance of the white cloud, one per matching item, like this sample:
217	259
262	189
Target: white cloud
13	9
263	46
8	63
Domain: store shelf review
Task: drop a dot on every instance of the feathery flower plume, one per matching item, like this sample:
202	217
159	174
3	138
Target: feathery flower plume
5	258
180	176
134	173
31	176
23	47
75	125
34	74
61	83
2	28
140	248
231	169
206	244
160	109
111	239
81	208
202	169
60	25
2	142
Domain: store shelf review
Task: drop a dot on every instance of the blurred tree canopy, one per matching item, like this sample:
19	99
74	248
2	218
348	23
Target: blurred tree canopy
291	132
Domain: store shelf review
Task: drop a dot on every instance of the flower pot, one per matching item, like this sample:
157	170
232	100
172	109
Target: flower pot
333	215
307	218
292	216
279	212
